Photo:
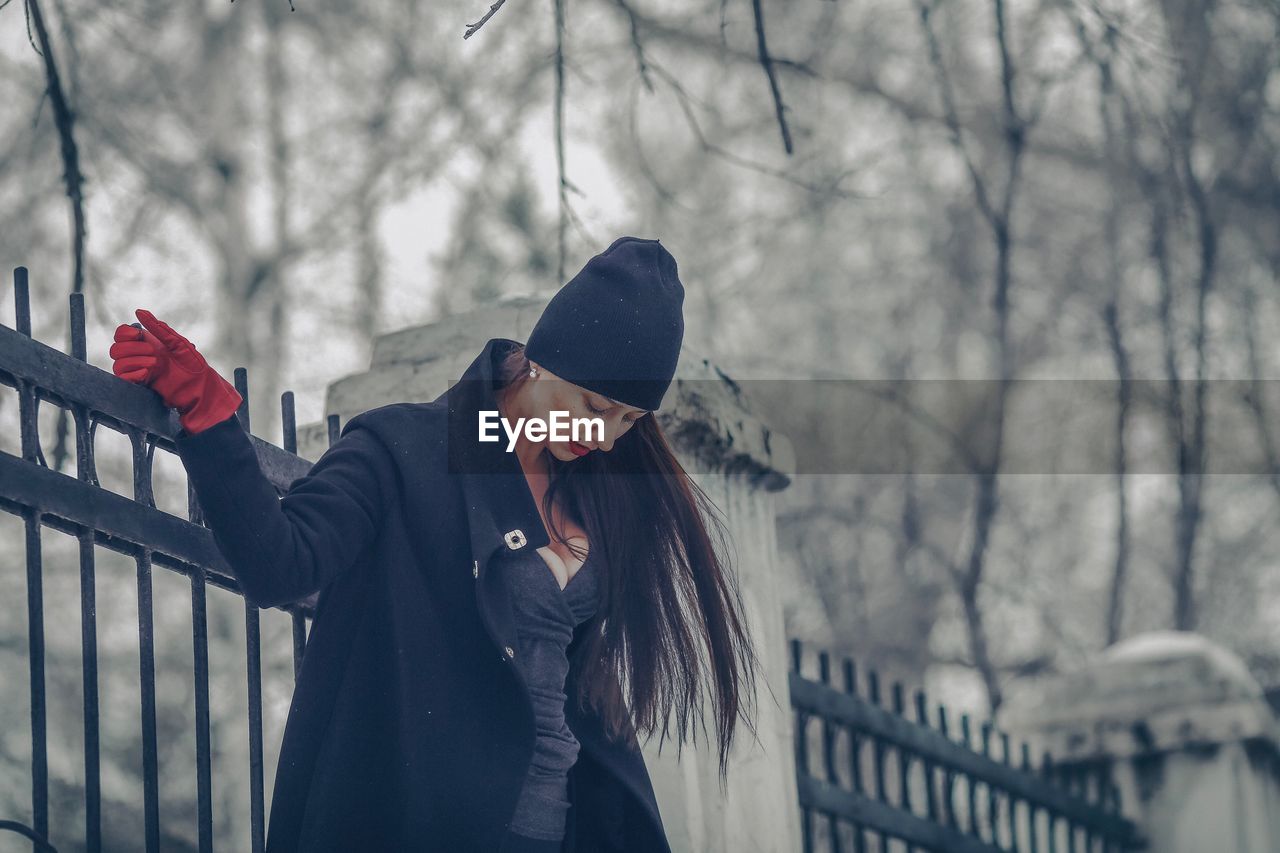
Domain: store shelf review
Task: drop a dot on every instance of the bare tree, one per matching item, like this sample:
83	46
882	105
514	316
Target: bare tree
997	208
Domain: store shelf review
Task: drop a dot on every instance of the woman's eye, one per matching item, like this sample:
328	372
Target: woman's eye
628	419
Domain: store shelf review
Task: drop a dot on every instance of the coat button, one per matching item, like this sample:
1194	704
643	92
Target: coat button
515	539
510	652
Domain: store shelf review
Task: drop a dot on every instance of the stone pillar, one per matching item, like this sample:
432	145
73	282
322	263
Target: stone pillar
1192	740
741	465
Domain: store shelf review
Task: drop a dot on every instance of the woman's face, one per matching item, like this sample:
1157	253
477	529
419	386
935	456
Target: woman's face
546	392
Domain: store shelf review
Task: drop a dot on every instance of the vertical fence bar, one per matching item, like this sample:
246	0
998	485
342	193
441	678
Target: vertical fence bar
253	654
86	472
828	753
1032	844
1051	817
993	804
904	757
200	652
289	432
35	657
1012	815
966	738
28	409
147	673
200	645
930	795
1095	836
948	775
1072	788
1113	808
877	751
802	750
89	685
855	752
147	681
1117	808
142	494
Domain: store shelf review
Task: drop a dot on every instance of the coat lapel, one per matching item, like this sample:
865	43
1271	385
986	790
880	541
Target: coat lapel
501	512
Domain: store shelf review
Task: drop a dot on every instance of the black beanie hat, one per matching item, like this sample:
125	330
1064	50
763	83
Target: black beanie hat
617	326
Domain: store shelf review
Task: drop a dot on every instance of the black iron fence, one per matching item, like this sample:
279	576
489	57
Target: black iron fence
881	773
99	518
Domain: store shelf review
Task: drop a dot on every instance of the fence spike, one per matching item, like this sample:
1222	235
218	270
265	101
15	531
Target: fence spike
242	385
21	302
922	708
288	423
992	795
850	677
948	776
75	311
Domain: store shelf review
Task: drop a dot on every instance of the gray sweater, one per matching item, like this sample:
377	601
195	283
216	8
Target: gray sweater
545	618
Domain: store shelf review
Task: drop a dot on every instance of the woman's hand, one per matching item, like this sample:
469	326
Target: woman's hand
166	362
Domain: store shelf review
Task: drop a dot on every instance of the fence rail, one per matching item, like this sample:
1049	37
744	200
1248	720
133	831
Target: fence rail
80	507
892	783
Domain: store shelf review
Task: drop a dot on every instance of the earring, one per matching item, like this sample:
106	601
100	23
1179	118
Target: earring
533	371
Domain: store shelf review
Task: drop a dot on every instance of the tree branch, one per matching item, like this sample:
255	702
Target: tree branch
684	98
64	118
472	28
767	63
641	64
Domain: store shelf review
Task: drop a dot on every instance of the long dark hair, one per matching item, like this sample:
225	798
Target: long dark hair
665	589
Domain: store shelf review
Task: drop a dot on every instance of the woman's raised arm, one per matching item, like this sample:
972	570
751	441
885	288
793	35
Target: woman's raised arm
281	549
285	548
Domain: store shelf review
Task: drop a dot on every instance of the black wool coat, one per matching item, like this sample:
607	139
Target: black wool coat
410	727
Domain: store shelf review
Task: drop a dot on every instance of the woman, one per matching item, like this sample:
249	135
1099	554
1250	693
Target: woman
451	697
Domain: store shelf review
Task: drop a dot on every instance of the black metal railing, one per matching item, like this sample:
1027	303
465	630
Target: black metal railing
97	517
893	778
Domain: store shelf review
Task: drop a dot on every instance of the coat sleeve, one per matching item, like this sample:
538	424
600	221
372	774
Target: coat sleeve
283	548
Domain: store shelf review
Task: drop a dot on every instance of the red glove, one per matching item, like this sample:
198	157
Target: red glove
166	362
